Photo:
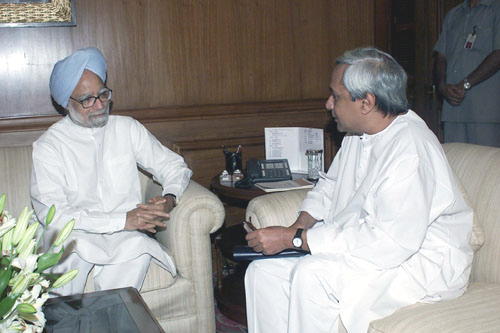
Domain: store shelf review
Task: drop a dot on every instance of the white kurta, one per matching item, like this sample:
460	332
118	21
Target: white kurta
90	174
395	230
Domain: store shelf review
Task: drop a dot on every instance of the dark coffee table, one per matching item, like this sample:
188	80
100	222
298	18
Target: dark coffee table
117	310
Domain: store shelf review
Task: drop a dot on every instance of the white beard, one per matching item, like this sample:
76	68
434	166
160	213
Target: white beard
97	118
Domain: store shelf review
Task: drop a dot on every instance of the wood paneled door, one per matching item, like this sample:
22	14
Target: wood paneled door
408	30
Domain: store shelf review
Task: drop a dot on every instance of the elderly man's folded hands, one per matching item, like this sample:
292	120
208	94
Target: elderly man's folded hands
148	217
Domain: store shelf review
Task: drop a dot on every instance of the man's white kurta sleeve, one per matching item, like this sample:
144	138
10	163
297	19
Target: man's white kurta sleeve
392	222
167	167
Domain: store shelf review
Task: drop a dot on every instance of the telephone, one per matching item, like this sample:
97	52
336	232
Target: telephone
268	170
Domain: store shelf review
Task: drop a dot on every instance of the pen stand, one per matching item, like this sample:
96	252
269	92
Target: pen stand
233	161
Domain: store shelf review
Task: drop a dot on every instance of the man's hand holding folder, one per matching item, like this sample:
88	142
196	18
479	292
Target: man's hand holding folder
247	253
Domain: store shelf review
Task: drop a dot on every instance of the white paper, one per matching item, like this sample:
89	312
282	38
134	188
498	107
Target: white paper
291	143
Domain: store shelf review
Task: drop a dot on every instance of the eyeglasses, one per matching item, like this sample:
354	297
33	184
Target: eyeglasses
89	102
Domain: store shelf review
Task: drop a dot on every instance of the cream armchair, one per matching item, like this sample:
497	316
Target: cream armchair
181	304
477	168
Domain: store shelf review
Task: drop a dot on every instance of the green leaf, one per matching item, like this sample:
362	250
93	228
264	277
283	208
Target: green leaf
7	303
5	274
48	260
5	262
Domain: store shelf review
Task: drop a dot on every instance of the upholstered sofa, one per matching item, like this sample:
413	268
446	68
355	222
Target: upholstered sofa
181	304
477	168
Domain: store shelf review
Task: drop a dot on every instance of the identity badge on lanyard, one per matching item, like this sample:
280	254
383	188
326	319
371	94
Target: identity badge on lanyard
469	42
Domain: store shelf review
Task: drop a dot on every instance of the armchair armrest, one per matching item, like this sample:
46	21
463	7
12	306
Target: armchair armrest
276	209
187	236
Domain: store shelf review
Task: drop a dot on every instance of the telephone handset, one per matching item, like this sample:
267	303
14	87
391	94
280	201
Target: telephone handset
268	170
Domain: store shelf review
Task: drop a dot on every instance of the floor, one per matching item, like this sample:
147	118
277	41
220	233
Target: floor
226	325
222	323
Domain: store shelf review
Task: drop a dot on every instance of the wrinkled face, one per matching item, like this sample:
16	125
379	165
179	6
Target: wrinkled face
345	112
96	116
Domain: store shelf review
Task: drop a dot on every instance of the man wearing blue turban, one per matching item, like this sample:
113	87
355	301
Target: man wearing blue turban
86	165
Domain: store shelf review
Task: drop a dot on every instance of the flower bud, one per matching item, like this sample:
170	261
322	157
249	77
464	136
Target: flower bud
27	250
65	233
65	278
27	236
7	242
26	308
50	215
21	285
22	223
3	198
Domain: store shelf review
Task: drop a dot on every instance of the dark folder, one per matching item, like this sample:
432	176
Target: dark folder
246	253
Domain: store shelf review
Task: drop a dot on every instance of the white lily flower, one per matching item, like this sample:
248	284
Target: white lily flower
45	284
35	292
28	264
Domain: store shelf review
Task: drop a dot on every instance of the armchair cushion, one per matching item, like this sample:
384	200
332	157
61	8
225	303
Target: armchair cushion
477	236
464	314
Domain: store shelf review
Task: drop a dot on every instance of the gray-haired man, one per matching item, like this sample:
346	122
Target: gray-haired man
386	226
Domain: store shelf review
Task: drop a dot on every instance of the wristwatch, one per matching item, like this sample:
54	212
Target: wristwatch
297	239
467	85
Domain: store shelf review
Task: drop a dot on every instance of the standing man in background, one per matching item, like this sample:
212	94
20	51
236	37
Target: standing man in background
466	70
86	165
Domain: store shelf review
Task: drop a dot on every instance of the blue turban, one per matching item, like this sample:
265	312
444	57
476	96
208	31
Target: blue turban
68	71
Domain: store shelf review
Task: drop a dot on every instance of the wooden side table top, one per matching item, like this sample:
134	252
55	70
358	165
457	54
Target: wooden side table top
232	195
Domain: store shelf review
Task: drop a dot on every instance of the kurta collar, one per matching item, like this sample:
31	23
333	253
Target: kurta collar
372	138
83	130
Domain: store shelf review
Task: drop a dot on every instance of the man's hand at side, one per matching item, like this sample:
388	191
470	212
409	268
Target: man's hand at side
454	93
148	217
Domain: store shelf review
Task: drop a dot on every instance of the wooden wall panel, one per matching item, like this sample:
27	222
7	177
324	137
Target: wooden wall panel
197	73
189	52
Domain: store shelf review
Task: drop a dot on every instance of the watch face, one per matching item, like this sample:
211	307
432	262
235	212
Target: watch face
467	85
297	242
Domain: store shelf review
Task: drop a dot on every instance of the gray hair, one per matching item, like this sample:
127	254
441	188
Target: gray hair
373	71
